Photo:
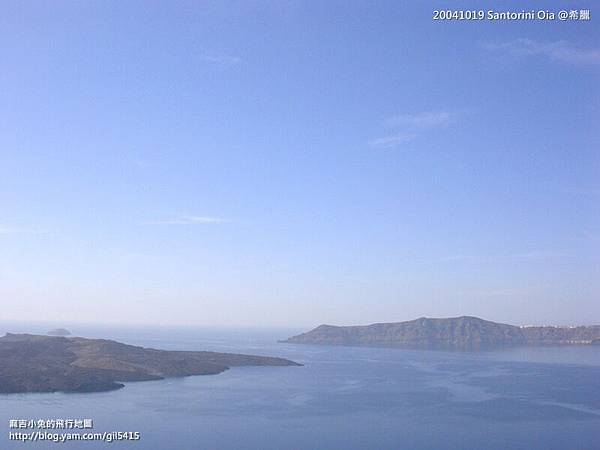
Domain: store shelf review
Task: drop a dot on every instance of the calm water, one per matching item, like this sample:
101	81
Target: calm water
343	398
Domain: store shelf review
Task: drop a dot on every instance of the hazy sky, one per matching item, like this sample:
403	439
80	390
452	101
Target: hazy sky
297	163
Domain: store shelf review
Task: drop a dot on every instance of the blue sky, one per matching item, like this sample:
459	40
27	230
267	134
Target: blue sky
296	163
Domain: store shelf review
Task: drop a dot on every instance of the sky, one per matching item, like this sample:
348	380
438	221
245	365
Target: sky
292	163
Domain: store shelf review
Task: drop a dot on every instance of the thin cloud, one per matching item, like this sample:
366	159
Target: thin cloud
561	51
392	141
423	120
411	126
189	220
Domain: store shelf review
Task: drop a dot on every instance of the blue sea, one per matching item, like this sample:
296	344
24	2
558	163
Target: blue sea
341	398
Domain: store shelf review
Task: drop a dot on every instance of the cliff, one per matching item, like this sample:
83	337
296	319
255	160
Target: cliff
452	333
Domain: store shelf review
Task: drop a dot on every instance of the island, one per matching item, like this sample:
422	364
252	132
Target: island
35	363
59	332
456	333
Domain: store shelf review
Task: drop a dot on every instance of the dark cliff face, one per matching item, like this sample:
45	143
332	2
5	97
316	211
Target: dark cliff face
30	363
468	333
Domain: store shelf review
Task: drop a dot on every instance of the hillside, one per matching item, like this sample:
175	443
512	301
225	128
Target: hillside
32	363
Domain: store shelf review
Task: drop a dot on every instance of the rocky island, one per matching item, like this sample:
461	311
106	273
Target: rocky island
459	333
32	363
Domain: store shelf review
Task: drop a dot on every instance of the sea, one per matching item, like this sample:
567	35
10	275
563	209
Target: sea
341	398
